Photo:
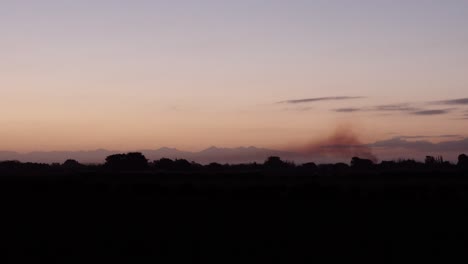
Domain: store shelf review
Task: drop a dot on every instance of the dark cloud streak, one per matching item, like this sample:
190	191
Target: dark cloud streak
347	110
402	108
299	109
395	107
319	99
423	146
436	136
459	101
432	112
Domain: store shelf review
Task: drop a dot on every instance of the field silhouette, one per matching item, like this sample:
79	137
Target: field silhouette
134	210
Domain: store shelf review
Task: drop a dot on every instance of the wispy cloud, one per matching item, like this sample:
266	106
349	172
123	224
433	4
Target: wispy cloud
347	110
401	108
298	109
432	112
459	101
405	108
463	117
319	99
395	107
427	136
421	145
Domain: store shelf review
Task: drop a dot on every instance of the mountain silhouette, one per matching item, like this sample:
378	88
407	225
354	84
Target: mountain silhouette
326	152
206	156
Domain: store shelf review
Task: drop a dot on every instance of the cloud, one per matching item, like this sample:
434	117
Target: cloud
380	108
424	146
432	112
403	108
298	109
319	99
347	110
463	117
395	107
406	108
459	101
449	136
425	136
399	142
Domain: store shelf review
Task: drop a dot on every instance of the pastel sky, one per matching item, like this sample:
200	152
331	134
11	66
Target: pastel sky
88	74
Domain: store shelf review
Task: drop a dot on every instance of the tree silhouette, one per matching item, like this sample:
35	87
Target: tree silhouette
72	164
164	164
430	160
182	164
276	163
359	163
463	161
129	161
309	166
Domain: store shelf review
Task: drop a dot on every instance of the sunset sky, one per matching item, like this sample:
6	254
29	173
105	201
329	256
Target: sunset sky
124	75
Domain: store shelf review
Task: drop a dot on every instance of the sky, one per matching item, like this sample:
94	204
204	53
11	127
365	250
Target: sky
89	74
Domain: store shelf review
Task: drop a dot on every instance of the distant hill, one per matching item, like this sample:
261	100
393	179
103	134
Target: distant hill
212	154
394	148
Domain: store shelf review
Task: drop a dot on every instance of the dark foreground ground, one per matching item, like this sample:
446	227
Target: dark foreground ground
235	217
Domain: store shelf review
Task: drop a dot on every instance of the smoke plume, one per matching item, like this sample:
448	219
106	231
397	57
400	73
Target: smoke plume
342	143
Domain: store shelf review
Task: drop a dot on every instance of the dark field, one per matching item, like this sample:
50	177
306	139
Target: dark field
295	214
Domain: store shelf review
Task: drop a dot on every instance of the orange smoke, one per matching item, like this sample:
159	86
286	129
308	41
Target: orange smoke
342	143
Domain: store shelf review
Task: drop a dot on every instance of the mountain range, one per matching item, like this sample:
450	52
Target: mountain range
212	154
394	148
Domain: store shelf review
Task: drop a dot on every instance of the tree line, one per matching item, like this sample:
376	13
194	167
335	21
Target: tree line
135	161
